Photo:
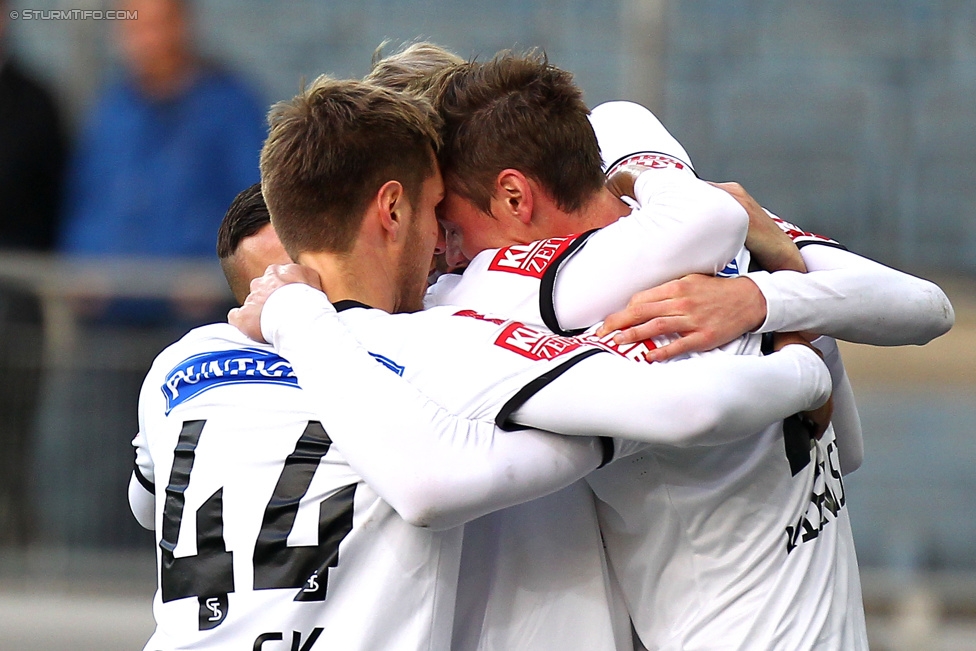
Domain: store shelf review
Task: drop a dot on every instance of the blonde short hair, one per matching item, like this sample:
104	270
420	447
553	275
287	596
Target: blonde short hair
411	68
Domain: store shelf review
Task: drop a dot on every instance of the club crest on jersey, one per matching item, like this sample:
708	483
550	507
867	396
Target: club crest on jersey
652	159
203	372
530	259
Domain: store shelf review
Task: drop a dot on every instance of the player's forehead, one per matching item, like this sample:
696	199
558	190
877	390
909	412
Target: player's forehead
457	210
434	185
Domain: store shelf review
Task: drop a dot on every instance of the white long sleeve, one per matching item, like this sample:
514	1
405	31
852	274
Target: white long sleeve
849	297
142	503
626	129
435	469
683	226
142	500
707	400
845	419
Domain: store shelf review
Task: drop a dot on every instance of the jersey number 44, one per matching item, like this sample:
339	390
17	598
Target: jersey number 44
209	575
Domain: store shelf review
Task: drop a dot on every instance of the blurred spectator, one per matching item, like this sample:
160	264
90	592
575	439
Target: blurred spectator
32	155
167	148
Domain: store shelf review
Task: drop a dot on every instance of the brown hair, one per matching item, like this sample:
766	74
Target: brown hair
519	112
411	68
329	151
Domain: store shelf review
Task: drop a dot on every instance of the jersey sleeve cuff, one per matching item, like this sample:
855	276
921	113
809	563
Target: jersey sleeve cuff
767	287
291	303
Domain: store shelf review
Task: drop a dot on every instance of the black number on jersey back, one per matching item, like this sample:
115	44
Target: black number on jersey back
276	565
799	441
209	575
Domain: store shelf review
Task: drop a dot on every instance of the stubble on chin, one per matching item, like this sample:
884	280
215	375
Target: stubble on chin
412	300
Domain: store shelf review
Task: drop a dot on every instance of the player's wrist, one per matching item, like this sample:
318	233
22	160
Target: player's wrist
752	302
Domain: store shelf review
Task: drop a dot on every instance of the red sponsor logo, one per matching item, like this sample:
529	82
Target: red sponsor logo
481	317
538	344
655	161
795	233
534	343
634	352
530	259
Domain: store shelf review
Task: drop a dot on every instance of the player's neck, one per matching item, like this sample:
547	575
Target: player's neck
354	276
601	210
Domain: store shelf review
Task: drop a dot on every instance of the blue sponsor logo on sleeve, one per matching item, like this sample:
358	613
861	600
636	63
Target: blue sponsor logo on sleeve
203	372
731	269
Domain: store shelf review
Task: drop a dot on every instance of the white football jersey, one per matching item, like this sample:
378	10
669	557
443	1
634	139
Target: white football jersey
497	358
265	534
437	350
748	544
534	577
680	226
531	601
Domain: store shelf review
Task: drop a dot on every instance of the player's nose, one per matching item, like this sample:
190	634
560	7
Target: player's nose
454	257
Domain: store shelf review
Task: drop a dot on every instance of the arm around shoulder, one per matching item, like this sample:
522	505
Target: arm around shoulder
434	468
849	297
683	226
707	400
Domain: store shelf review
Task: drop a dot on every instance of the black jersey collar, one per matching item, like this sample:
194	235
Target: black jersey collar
348	304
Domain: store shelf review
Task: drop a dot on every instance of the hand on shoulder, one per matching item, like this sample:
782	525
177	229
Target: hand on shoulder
247	317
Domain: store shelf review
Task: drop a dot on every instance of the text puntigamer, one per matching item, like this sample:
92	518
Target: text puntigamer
197	374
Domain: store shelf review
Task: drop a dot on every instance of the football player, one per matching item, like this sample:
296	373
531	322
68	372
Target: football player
329	513
750	547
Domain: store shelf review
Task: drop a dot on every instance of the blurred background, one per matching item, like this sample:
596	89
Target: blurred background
122	142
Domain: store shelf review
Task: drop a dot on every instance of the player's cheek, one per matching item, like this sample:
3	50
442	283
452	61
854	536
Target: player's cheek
440	245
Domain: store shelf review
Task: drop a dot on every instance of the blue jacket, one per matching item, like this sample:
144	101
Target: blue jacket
155	177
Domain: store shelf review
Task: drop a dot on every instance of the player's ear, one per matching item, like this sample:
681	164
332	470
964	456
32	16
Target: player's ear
512	197
391	204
